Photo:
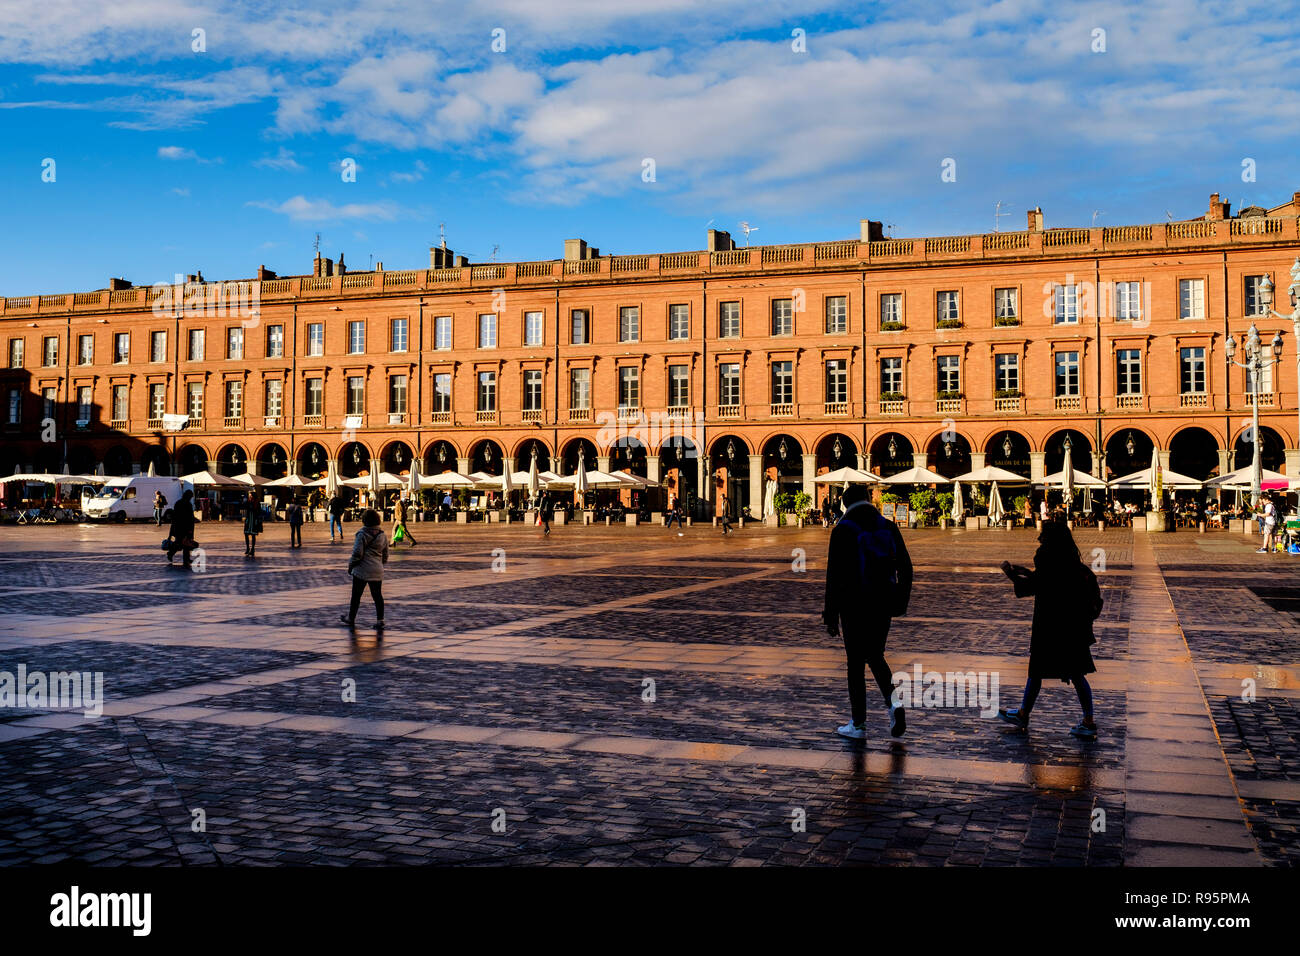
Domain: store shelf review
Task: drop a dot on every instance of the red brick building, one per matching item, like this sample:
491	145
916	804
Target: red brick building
726	363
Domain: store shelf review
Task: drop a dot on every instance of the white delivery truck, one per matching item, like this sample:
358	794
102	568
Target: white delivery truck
121	499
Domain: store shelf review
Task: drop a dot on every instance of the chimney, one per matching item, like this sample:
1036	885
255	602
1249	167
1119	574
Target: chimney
440	257
379	267
1036	219
575	249
1218	210
872	231
322	267
720	241
115	285
263	273
343	270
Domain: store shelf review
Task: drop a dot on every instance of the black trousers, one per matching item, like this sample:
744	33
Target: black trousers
864	646
376	593
295	536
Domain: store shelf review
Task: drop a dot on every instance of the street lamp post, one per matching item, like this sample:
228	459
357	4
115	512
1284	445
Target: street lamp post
1255	363
1266	300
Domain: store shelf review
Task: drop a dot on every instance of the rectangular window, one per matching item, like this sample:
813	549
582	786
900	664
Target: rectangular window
837	381
891	376
580	388
578	325
442	332
86	349
1191	298
157	346
356	338
356	395
234	399
891	310
314	400
729	384
534	328
194	400
487	391
837	314
679	321
274	398
679	387
948	307
442	392
629	387
234	343
1128	372
1067	374
783	317
1006	372
1265	380
949	376
196	345
49	397
397	394
397	335
1253	303
316	338
84	402
487	330
1128	301
275	341
16	353
532	390
629	324
121	403
122	348
15	415
1192	362
782	383
157	400
1065	304
1006	304
729	320
51	350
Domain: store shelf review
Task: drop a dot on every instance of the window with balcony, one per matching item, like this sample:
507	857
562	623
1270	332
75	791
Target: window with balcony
234	400
1006	375
313	405
397	335
837	314
1067	374
533	390
891	379
487	330
397	394
487	391
1128	301
51	351
442	332
1128	372
356	338
783	317
1191	298
1006	307
15	410
49	398
442	393
579	327
534	328
85	401
194	401
157	346
121	403
157	401
891	312
580	389
315	338
729	386
274	400
196	345
948	377
275	341
837	386
85	350
679	322
728	320
1265	378
629	324
783	387
1191	362
948	310
122	348
679	387
234	343
1065	304
356	395
629	387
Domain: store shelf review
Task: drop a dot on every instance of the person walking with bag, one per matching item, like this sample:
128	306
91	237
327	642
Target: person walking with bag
401	513
181	533
159	505
252	524
1067	599
336	509
868	583
725	508
366	566
293	512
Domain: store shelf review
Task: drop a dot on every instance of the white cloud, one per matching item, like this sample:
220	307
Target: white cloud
282	160
301	209
176	152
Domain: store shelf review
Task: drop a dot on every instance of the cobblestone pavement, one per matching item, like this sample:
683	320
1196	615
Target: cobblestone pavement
628	696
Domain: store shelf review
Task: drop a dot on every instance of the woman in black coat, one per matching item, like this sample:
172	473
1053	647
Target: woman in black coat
1067	600
181	532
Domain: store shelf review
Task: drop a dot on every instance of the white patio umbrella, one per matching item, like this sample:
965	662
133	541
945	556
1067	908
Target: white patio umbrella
847	475
248	478
293	481
448	479
207	479
1240	479
991	473
1067	486
916	475
1142	479
413	480
331	480
1079	479
375	481
534	480
149	473
995	505
580	478
958	506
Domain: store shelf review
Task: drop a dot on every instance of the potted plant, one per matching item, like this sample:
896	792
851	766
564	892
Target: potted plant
948	324
1007	393
892	396
1005	320
801	505
948	394
892	325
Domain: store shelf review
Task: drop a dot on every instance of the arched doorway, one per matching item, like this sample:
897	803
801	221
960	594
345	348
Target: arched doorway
628	454
396	458
81	461
117	462
679	470
156	456
891	453
836	451
313	461
354	460
729	461
1127	451
441	456
272	461
948	454
782	464
578	450
1272	452
524	455
193	458
1080	452
1009	451
1195	453
486	457
232	460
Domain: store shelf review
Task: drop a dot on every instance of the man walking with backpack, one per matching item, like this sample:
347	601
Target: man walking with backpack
868	582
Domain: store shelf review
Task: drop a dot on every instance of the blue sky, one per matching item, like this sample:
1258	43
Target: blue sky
170	160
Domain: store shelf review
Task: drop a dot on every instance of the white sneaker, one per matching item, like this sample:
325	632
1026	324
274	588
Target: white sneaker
852	730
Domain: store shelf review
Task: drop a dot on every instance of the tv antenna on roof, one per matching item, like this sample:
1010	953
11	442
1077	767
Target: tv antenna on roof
1169	216
998	214
747	229
442	234
495	249
1095	214
316	245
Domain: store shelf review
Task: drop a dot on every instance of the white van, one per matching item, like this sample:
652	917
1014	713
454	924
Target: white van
121	499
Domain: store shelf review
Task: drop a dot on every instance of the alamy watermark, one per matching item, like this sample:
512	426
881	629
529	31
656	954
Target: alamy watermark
933	689
57	690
